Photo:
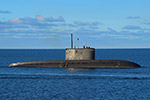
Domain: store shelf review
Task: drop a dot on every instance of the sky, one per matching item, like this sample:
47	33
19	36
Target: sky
47	24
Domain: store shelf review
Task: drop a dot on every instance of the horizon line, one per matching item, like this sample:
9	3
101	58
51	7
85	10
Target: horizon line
91	47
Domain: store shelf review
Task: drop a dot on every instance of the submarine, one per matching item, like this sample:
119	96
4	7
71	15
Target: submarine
82	58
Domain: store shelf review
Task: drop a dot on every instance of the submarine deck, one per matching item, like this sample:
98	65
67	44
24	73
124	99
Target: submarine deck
78	64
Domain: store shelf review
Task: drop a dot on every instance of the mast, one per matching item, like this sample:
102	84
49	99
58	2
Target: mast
71	41
85	44
77	42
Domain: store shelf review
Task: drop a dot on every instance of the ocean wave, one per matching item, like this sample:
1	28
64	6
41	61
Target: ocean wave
68	76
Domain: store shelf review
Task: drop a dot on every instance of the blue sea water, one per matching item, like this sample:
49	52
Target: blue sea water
19	83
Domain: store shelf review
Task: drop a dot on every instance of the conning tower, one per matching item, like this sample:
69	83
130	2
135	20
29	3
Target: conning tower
85	53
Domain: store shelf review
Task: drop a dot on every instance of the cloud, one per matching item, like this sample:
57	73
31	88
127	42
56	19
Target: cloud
59	19
38	19
41	22
111	33
31	27
133	17
112	30
50	19
71	25
25	20
5	12
23	31
38	22
12	26
132	27
47	33
15	20
146	23
42	27
79	23
8	25
83	30
28	33
93	27
115	36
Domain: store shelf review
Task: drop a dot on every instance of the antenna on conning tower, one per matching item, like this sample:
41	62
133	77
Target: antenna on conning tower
77	42
85	44
71	41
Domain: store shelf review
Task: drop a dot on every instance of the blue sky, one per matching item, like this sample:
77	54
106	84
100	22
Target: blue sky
45	24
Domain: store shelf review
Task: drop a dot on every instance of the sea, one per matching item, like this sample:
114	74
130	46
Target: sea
20	83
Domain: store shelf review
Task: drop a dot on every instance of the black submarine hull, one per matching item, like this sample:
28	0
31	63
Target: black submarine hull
78	64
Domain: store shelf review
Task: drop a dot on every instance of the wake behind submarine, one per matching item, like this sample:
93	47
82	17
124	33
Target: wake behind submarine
78	58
